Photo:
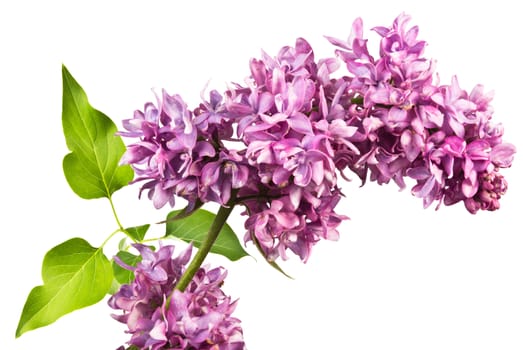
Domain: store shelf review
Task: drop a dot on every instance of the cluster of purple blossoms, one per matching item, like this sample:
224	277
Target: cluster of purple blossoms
283	171
277	144
159	317
439	135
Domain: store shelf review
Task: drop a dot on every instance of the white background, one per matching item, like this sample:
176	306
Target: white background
400	277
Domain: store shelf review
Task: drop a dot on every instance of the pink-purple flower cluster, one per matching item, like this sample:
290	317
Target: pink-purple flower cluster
282	170
439	135
159	317
277	144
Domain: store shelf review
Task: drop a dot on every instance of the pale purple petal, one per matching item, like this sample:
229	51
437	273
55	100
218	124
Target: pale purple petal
470	187
502	155
411	143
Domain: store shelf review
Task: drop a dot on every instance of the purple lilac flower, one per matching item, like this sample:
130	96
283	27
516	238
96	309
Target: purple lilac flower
159	317
439	135
220	177
281	156
290	147
277	143
169	155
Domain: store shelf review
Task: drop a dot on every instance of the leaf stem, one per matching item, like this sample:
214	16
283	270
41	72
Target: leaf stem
199	257
115	215
110	236
120	227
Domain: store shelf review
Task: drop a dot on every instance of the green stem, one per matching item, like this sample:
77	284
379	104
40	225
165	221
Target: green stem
110	236
120	227
199	257
115	215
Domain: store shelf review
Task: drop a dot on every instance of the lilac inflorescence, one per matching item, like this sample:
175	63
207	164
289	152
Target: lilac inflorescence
277	144
159	317
439	135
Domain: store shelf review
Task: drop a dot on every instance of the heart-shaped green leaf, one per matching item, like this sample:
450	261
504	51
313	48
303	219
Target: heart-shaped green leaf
91	169
194	228
75	275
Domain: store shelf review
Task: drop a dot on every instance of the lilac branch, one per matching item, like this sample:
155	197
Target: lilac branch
199	257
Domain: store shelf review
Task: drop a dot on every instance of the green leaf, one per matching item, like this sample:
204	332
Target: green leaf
91	169
115	287
123	275
194	229
188	210
122	244
75	275
279	269
138	233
